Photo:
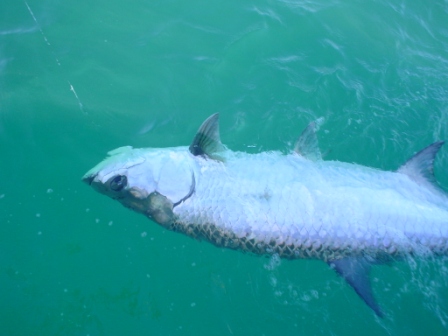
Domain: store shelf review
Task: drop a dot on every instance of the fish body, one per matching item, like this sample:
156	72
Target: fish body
286	204
294	205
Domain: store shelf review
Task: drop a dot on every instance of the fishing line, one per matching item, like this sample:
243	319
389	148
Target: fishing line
72	89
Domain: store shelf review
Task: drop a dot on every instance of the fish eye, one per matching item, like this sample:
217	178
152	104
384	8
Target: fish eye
118	182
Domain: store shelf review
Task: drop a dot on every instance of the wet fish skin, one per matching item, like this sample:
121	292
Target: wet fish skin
295	205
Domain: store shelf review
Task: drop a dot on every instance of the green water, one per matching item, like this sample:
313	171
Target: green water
79	78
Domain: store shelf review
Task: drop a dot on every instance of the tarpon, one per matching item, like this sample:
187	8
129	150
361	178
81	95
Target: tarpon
295	205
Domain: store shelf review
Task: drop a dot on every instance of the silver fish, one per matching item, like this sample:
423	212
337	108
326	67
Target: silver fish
294	205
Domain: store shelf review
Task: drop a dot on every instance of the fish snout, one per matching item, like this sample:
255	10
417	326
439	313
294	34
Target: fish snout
89	178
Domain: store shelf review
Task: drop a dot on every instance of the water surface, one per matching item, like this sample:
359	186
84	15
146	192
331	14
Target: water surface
79	78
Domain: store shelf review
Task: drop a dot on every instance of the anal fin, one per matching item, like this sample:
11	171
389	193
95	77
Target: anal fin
355	270
420	167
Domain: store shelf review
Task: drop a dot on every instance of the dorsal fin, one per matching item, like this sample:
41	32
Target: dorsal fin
355	270
307	145
207	141
420	167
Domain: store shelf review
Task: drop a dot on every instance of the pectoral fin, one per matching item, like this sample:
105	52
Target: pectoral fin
207	142
355	270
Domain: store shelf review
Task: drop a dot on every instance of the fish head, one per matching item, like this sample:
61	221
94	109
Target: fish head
149	181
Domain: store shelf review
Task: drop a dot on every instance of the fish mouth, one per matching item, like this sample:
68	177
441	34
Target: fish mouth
89	178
